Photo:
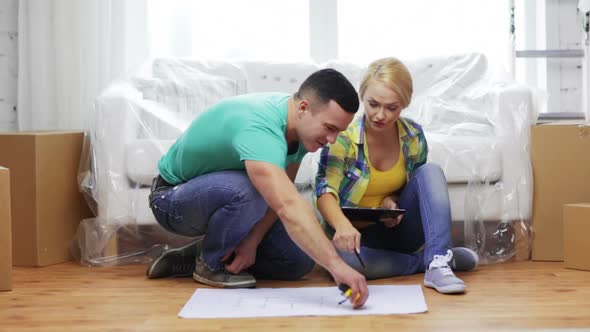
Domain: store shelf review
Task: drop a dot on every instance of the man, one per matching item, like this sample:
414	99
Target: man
230	176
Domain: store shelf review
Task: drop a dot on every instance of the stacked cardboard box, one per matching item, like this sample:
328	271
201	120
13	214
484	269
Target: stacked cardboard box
576	228
47	205
560	155
5	233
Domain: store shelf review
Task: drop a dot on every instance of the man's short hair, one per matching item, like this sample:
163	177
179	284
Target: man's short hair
329	84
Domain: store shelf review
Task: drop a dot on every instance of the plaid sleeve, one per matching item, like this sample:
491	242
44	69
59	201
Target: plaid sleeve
331	167
423	147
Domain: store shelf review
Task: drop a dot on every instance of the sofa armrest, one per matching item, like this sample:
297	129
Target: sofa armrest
515	113
112	126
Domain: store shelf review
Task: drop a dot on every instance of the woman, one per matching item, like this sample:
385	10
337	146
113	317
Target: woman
380	161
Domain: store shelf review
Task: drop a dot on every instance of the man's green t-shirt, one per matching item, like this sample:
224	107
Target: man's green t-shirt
245	127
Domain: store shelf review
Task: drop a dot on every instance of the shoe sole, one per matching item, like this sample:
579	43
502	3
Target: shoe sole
451	289
242	284
150	271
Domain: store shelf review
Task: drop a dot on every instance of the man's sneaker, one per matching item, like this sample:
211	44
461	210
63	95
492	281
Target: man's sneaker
464	259
440	276
175	262
221	278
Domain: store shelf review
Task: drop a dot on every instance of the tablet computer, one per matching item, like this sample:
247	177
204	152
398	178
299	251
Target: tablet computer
370	214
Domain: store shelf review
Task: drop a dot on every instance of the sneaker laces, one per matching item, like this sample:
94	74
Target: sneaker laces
442	262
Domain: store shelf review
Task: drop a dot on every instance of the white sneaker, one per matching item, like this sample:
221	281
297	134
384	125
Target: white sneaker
440	276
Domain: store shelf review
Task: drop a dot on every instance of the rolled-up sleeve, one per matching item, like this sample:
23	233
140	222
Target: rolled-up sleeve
331	167
423	148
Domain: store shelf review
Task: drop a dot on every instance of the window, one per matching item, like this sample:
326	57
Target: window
550	48
365	30
255	29
371	29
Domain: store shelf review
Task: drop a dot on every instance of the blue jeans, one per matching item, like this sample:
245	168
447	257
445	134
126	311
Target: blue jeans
224	206
395	251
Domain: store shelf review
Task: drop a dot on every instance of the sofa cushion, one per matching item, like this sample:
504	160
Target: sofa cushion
187	97
181	70
353	72
450	77
466	158
276	77
462	159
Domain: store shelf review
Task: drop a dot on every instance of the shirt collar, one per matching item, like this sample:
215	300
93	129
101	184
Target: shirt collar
357	133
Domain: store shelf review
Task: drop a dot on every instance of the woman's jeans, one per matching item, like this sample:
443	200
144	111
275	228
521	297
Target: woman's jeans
395	251
225	206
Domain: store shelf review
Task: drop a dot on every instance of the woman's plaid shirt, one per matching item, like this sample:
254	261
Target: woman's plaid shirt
343	169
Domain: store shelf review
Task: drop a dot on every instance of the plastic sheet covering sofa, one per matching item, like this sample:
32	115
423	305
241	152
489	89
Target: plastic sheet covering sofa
477	127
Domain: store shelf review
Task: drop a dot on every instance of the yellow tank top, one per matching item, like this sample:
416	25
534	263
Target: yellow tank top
382	184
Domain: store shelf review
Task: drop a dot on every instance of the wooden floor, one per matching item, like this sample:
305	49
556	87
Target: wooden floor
523	295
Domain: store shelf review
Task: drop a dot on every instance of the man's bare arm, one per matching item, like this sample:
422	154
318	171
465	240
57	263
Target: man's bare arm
245	252
297	215
262	227
302	225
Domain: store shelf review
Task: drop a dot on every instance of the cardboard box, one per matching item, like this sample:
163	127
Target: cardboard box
576	229
560	155
47	205
5	233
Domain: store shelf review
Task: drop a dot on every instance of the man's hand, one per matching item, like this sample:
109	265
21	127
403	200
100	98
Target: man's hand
344	274
245	256
389	203
347	238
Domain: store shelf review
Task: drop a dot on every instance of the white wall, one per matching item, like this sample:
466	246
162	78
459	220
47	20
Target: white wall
8	63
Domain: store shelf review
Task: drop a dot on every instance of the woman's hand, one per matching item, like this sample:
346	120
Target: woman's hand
347	238
389	203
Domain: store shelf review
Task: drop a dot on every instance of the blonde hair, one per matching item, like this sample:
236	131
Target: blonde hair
394	74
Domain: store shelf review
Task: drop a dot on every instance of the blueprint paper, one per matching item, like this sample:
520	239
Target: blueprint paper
309	301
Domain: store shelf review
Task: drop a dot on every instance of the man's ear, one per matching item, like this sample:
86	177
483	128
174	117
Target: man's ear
303	106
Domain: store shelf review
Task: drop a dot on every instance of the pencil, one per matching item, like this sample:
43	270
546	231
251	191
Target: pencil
358	255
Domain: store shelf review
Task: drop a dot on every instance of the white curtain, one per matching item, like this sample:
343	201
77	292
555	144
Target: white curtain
69	50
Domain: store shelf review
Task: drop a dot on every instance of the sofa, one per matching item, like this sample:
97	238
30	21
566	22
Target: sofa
476	123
